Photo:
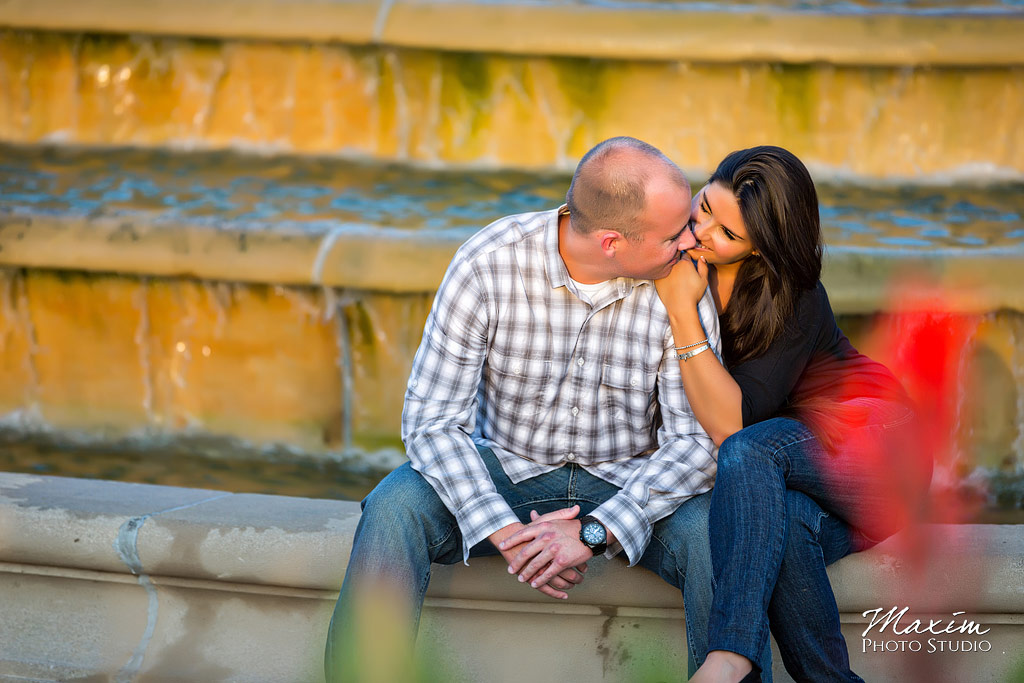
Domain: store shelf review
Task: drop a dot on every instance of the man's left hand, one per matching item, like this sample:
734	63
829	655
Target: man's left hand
552	545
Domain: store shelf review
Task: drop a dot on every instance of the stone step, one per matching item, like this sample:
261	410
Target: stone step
868	90
142	291
939	32
301	221
142	288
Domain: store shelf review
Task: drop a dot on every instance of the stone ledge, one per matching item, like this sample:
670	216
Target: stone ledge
304	543
356	256
373	258
563	29
243	584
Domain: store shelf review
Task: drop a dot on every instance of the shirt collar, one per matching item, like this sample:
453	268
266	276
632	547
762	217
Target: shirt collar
558	274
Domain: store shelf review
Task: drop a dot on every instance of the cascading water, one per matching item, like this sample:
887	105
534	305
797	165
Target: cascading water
274	302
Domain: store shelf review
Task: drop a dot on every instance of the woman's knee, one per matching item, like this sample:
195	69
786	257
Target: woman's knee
759	444
738	452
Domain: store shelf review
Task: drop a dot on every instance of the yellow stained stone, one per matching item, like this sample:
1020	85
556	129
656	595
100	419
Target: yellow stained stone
385	331
993	391
18	386
466	106
350	104
310	99
256	362
51	74
386	86
105	104
90	369
501	110
416	100
252	97
198	68
170	89
517	108
16	52
114	356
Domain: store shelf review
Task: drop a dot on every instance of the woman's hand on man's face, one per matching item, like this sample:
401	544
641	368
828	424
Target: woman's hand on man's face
685	285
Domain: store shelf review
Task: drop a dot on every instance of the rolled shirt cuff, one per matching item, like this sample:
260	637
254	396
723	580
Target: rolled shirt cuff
628	522
480	518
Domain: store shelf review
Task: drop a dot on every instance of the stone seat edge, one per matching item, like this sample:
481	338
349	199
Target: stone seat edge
303	543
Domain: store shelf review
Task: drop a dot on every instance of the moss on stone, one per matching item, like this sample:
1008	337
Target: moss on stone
584	82
797	96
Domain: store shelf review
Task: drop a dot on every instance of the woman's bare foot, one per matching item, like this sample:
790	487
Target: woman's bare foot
722	666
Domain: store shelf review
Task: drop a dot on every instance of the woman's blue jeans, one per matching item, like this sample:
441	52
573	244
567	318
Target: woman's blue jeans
405	527
783	509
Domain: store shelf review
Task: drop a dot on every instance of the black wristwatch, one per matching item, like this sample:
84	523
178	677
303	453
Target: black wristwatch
593	535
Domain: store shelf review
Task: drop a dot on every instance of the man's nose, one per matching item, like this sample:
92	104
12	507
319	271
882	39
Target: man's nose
686	239
700	230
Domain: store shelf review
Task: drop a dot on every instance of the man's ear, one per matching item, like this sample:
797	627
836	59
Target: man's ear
610	241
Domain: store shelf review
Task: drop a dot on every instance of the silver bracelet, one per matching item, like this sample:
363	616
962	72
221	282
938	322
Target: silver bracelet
690	354
690	346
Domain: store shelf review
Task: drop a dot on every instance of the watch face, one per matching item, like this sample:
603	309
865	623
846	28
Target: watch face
594	534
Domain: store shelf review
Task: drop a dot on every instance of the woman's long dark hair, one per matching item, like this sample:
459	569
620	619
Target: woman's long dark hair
779	206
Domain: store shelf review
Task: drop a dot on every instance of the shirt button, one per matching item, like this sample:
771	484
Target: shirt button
575	410
579	361
571	456
632	382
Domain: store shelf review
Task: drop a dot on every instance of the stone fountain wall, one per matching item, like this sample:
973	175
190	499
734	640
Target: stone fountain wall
153	333
866	95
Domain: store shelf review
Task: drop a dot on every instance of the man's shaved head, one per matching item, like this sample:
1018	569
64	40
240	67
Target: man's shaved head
609	189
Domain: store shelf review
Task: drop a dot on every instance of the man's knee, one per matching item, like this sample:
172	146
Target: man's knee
685	531
690	519
402	495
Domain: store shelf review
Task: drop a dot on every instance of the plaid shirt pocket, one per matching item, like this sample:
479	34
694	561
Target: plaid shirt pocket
627	392
518	386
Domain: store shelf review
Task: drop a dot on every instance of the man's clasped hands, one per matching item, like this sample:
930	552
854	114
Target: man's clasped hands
547	553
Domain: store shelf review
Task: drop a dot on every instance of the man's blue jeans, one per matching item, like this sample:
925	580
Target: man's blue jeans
405	527
783	509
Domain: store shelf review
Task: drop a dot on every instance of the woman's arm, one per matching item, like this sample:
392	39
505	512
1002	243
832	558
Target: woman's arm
714	396
725	401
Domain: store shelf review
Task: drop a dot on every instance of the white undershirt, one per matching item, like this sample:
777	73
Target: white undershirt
594	292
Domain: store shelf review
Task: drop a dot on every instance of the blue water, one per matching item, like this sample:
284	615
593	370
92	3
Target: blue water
264	193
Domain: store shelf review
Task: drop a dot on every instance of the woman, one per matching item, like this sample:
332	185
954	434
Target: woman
816	440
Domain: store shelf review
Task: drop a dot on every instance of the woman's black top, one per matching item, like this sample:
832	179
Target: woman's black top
811	358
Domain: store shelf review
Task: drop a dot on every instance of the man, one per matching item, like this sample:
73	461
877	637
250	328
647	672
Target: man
547	379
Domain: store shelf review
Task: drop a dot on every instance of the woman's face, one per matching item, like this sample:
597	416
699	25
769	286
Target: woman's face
718	226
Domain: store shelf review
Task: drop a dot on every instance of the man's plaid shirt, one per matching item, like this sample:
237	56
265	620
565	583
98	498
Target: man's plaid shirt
512	359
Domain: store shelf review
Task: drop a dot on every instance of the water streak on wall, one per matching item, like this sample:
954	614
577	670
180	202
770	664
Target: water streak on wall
320	372
503	111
